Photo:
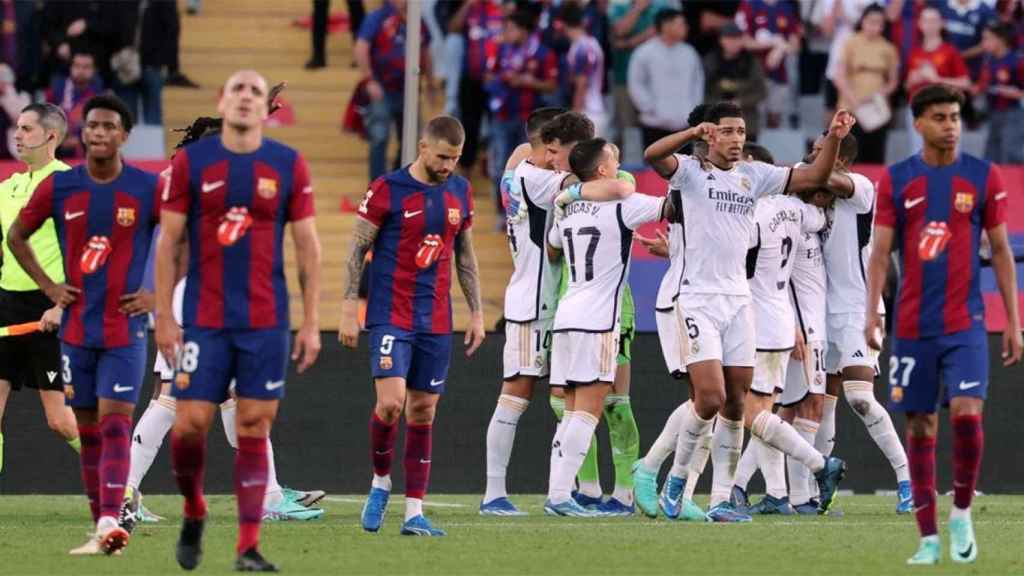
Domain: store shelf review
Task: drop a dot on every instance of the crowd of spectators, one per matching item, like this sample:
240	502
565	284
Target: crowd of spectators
644	64
66	51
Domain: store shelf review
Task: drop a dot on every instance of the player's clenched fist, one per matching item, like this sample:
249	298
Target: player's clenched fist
348	330
842	122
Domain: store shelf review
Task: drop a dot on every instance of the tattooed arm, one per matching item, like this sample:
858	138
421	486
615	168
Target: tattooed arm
363	237
469	278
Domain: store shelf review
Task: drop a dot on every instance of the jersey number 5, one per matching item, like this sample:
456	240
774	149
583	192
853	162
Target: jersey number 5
595	237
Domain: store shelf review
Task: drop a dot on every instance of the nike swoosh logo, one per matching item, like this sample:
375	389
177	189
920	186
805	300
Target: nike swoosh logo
422	461
118	389
275	385
251	483
211	186
381	452
911	202
411	214
969	385
967	553
114	486
73	215
1000	195
436	383
307	190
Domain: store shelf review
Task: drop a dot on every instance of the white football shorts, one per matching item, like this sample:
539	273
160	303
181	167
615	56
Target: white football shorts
527	348
579	358
805	376
717	327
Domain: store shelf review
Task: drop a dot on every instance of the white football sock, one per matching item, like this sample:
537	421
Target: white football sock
382	482
228	413
725	454
575	444
773	467
501	434
272	497
556	448
861	397
147	437
747	465
624	495
960	513
665	443
825	439
774	431
691	429
799	475
413	508
698	462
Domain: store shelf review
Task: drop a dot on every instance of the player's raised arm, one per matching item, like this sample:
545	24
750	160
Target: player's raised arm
816	174
468	271
661	154
307	256
363	237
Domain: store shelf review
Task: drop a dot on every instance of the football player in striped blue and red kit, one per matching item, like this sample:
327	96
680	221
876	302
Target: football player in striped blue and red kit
933	207
230	198
415	220
105	212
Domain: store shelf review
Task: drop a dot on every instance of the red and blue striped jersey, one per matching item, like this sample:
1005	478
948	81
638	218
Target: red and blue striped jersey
482	32
411	272
384	30
104	231
531	58
938	214
237	206
1007	71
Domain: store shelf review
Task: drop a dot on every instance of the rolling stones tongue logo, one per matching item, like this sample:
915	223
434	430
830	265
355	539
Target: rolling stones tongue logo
934	238
233	225
429	250
97	249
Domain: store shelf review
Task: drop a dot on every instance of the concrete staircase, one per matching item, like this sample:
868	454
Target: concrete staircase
233	34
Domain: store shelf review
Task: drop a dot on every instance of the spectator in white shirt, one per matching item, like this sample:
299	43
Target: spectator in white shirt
666	78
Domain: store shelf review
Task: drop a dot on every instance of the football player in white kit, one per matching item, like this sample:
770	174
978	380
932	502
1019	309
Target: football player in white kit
718	210
781	221
670	330
279	503
849	361
596	239
801	401
530	298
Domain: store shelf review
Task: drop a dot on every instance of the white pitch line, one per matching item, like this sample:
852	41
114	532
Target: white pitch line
425	502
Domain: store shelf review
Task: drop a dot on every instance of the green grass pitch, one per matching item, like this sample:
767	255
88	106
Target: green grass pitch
37	531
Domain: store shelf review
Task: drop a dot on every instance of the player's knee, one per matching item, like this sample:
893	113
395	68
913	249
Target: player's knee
389	409
860	395
420	412
707	405
922	425
518	387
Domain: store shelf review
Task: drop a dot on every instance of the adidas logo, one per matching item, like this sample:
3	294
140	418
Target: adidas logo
711	177
810	330
138	439
858	354
686	282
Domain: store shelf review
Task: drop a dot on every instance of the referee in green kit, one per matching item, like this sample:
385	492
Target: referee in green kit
33	360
